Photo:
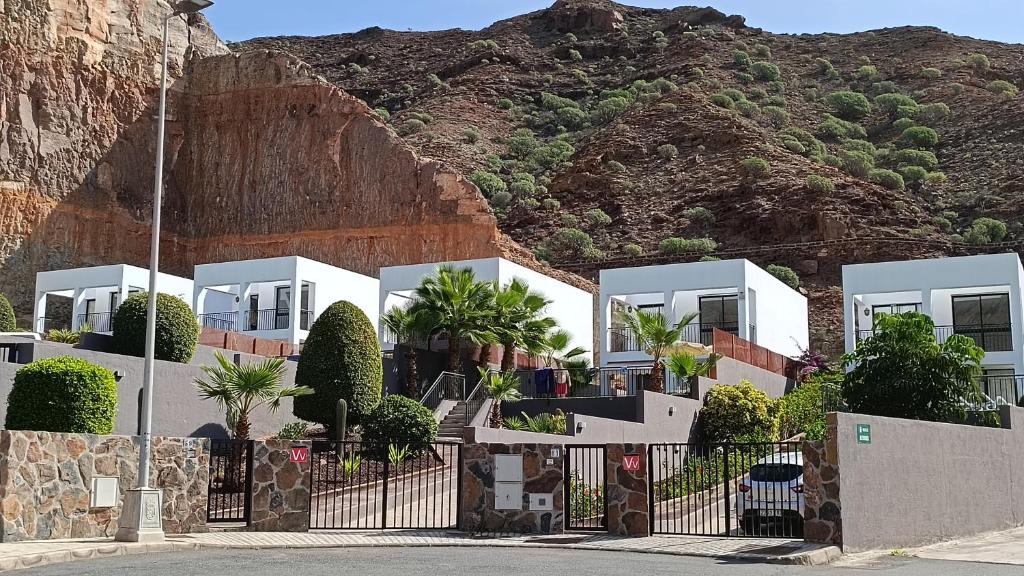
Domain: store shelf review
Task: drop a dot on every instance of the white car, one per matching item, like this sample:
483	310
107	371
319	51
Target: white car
770	497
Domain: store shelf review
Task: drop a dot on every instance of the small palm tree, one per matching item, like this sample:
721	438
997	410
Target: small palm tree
517	320
556	346
501	387
453	302
687	368
240	389
408	327
655	335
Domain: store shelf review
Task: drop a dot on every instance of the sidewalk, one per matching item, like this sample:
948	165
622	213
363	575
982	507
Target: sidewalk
28	554
1005	547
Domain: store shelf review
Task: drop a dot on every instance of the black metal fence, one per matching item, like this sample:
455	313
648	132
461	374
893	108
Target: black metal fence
990	337
447	386
365	486
96	321
586	488
751	490
230	496
623	339
219	320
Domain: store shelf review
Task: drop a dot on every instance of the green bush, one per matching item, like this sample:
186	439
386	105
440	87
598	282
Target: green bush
886	178
569	244
667	151
177	331
985	231
341	358
913	174
755	167
784	274
765	71
919	137
758	93
833	128
910	157
866	73
400	421
571	118
411	126
931	73
820	184
931	113
730	412
597	217
812	146
633	249
777	116
723	101
615	166
575	55
675	245
383	113
849	105
504	104
488	183
800	409
733	94
63	394
471	134
608	109
897	105
762	50
826	68
7	319
979	61
741	58
1002	87
857	163
901	124
294	431
817	431
860	146
700	214
747	108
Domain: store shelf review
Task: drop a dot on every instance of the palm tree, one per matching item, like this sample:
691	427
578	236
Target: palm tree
517	321
501	387
655	335
453	302
240	389
408	327
687	368
556	345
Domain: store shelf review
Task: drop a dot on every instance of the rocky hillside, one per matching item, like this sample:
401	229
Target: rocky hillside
600	131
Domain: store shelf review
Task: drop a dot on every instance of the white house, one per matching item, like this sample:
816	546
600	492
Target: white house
731	295
94	293
571	307
977	296
258	297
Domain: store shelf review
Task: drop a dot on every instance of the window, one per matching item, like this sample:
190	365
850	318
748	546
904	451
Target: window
775	472
113	302
985	318
283	297
254	312
90	309
720	312
305	312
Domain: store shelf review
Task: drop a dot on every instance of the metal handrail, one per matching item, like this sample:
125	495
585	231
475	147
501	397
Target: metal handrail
220	320
622	338
476	399
447	386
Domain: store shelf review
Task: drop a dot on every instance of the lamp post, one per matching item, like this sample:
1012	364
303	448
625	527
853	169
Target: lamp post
142	511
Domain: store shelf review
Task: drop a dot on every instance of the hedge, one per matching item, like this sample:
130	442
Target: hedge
7	320
731	412
341	358
63	394
177	331
401	421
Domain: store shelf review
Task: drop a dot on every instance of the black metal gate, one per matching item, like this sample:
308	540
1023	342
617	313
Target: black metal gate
366	486
741	489
586	488
230	493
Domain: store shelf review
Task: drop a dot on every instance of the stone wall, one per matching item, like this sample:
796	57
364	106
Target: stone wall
542	474
46	481
280	487
628	503
823	520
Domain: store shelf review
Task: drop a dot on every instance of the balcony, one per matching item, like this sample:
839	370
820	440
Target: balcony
623	339
990	337
253	320
96	321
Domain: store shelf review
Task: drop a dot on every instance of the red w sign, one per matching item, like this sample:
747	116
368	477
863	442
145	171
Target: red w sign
298	454
631	462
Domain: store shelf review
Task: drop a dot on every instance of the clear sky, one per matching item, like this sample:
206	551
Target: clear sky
235	20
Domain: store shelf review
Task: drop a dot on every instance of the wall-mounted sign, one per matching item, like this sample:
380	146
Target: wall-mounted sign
298	454
863	433
631	462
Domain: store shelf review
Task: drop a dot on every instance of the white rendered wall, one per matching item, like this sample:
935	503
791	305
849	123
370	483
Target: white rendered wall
778	313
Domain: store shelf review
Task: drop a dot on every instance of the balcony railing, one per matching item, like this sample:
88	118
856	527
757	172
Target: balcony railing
44	325
1001	390
269	319
227	321
623	339
97	321
990	337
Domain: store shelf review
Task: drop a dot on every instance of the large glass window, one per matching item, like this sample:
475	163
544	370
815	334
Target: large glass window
984	318
283	297
720	312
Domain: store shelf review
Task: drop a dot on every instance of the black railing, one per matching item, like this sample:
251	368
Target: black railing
586	492
44	325
626	381
624	339
447	386
1000	390
96	321
230	494
477	398
273	319
219	320
990	337
832	398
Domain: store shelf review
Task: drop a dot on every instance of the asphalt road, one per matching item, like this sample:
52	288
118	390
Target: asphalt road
477	562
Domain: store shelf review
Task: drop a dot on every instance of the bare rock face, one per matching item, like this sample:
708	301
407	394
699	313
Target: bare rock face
594	16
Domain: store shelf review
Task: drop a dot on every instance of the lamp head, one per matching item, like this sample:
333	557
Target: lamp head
191	6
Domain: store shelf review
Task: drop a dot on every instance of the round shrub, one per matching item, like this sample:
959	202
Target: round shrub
747	108
63	394
857	163
784	274
7	320
765	71
820	184
733	94
985	230
800	410
675	245
919	137
892	103
931	73
723	101
849	105
731	412
411	126
741	58
910	157
902	124
667	151
177	331
1002	87
597	217
400	421
979	61
341	358
568	244
887	178
777	116
932	113
633	249
489	183
913	174
504	104
608	109
755	167
551	204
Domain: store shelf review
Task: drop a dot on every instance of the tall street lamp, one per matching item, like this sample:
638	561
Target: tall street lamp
142	511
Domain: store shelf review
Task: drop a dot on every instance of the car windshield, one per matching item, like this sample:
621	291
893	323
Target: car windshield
775	472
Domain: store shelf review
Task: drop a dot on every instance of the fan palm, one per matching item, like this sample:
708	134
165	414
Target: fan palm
241	388
501	387
654	334
557	346
517	320
687	368
408	327
453	302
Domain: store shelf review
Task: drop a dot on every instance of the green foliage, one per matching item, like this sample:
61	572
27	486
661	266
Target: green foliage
686	366
897	105
747	108
755	167
553	102
488	183
62	394
777	116
571	244
741	58
597	217
572	118
919	137
979	61
614	166
667	151
800	410
177	331
826	68
730	412
860	146
400	421
1002	87
297	430
857	163
885	87
866	73
929	114
723	101
434	80
817	430
901	371
383	113
833	128
931	73
484	45
762	50
985	231
765	71
471	134
505	104
545	423
411	126
820	184
340	358
633	249
849	105
700	214
65	335
913	174
812	147
886	178
778	101
675	245
901	124
758	93
733	94
784	274
910	157
522	144
608	109
575	55
7	319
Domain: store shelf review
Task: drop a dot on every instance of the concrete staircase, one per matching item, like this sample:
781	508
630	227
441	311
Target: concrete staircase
453	422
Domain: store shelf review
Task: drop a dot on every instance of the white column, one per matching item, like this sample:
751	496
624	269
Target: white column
242	319
743	312
668	309
295	305
1016	325
77	307
39	312
926	302
604	310
849	322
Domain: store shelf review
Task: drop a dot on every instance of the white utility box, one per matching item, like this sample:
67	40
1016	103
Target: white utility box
104	492
508	496
508	468
542	501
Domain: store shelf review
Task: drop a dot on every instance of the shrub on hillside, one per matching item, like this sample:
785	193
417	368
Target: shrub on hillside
411	126
668	151
849	105
700	215
340	358
784	274
765	71
910	157
913	174
633	249
747	108
931	73
897	105
571	244
820	184
675	245
857	163
887	178
608	109
7	319
177	331
1002	87
723	101
931	113
488	183
730	412
985	231
597	217
919	137
63	394
504	104
777	116
833	128
740	58
400	421
979	61
755	167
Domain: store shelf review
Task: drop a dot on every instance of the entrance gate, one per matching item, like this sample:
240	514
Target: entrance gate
586	488
751	490
366	486
230	490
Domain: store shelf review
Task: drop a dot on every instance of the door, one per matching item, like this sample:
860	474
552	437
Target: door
254	312
282	300
585	497
985	318
720	312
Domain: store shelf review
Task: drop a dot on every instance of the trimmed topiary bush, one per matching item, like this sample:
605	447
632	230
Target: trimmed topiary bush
7	320
849	105
63	394
341	358
730	412
784	274
400	421
177	331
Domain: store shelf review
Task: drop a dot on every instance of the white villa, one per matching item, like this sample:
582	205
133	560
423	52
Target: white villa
94	293
572	307
734	296
276	298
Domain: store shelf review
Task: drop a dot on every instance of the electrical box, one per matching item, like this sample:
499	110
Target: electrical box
542	501
508	468
508	496
104	492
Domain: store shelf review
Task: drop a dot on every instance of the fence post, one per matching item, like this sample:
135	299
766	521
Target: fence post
727	478
384	495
